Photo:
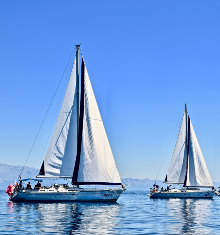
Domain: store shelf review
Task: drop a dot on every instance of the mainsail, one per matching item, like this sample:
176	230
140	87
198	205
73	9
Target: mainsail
188	166
60	158
198	171
95	164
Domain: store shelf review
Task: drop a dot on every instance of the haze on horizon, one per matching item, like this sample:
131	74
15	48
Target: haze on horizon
145	61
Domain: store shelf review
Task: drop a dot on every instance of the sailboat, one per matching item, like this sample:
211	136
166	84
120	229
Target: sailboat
187	168
79	150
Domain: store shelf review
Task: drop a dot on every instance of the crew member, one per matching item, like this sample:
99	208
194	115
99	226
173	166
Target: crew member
38	185
29	185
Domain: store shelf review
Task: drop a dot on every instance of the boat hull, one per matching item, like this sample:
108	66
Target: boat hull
192	194
67	196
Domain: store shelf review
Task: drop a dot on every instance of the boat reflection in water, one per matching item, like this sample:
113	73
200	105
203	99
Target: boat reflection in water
63	218
191	214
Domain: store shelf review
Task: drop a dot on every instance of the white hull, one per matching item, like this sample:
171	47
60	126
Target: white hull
67	195
183	194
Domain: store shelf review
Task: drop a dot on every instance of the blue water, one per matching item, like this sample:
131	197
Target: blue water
134	213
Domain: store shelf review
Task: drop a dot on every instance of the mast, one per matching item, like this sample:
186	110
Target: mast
77	88
186	147
80	127
77	91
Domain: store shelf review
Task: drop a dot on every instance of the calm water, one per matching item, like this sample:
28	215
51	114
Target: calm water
134	213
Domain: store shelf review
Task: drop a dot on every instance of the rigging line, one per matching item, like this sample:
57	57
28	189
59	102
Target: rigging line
67	76
168	145
46	112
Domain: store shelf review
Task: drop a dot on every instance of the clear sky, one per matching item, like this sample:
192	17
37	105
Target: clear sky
145	59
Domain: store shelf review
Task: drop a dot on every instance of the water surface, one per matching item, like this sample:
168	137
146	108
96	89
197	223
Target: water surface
134	213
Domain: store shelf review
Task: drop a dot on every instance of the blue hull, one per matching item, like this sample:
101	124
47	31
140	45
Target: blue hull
84	195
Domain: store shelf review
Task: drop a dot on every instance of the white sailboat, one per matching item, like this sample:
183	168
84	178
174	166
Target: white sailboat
79	149
187	167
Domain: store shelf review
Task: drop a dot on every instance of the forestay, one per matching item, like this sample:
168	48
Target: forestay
97	164
177	169
61	154
198	174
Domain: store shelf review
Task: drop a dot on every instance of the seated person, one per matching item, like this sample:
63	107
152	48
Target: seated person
29	185
38	185
66	185
19	186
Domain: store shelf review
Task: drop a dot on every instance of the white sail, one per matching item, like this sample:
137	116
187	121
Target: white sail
61	154
177	169
97	163
198	174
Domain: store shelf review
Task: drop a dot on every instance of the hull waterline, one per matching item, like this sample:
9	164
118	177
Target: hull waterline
67	196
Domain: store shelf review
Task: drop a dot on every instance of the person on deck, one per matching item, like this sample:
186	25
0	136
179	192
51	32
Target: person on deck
38	185
20	184
29	185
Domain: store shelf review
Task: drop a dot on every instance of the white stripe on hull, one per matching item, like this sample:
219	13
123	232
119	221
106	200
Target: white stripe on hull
194	194
67	196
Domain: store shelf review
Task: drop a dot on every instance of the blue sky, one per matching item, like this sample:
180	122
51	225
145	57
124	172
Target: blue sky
145	59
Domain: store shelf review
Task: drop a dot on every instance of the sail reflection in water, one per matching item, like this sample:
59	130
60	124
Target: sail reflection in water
192	215
63	218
